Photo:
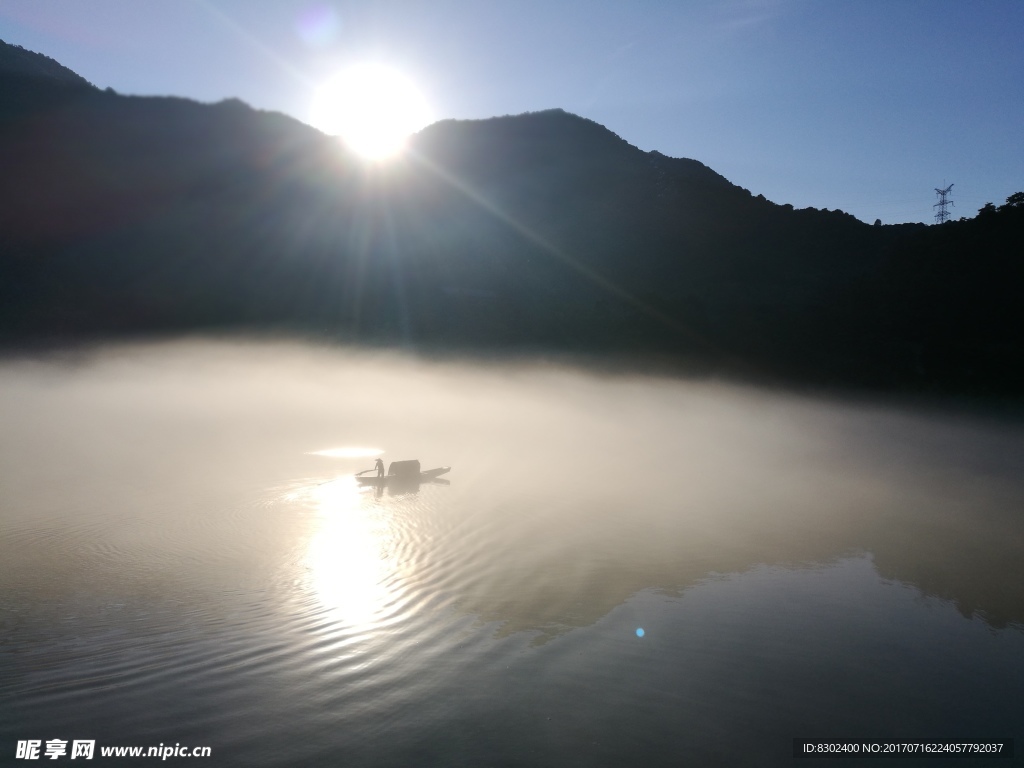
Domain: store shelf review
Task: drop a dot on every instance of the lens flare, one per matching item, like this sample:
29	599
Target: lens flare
317	26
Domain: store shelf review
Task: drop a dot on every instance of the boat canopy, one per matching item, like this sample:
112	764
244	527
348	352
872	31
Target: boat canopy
409	468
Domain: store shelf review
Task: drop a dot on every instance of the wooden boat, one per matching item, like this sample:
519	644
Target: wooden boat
402	473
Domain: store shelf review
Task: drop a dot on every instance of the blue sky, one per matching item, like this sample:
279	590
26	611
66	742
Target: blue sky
862	105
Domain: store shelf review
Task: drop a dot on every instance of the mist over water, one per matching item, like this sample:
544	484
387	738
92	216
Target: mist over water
185	556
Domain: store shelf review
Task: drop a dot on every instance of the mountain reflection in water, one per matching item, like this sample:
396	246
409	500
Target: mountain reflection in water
181	558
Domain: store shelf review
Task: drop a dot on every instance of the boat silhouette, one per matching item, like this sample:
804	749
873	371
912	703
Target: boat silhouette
404	475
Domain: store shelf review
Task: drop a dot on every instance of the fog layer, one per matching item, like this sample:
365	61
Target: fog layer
131	469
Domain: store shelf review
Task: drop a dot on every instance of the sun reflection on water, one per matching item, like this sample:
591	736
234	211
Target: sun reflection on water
348	452
347	557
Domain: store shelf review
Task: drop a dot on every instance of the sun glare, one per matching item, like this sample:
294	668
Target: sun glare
372	108
347	571
348	452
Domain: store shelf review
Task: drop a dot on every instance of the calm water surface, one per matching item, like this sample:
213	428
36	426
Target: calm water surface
622	571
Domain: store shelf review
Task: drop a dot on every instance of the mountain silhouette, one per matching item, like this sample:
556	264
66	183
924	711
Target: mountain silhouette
17	61
542	232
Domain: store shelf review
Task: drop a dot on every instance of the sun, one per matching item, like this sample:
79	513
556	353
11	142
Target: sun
373	108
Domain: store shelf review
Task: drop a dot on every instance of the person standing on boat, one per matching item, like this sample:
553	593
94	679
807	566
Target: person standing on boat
379	466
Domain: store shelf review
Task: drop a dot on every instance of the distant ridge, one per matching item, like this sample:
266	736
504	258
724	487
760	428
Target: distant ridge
15	60
549	123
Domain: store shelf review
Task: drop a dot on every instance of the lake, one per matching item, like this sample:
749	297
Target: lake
620	570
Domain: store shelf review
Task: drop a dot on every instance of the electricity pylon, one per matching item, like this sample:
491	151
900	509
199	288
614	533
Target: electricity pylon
943	215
